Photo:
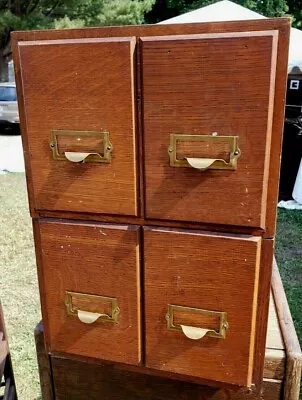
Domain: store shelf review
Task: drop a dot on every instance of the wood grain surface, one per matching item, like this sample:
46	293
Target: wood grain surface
210	272
275	356
44	362
73	379
187	89
293	350
282	25
138	83
265	276
6	370
153	222
4	351
98	260
85	85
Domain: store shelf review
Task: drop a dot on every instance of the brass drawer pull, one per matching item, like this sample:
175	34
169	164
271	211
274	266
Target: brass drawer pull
204	163
195	333
78	157
217	320
90	308
89	317
81	146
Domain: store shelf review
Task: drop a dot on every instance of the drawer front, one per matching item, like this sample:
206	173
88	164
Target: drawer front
200	304
89	277
78	103
208	104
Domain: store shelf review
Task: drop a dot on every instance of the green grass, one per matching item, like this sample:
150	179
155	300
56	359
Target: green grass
18	282
289	259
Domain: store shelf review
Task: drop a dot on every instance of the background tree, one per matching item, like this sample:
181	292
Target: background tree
44	14
295	9
164	9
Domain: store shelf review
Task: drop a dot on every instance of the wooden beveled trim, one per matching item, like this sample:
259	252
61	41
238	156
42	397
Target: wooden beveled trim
293	369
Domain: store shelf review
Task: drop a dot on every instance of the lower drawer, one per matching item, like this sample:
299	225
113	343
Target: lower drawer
200	303
90	289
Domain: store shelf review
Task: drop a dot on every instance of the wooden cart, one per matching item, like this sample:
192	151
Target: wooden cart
67	379
7	382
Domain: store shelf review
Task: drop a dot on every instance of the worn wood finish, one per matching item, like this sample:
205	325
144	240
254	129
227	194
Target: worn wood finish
152	222
119	101
60	98
274	364
277	132
75	379
41	278
199	270
265	276
281	25
3	355
188	90
43	358
4	351
6	371
291	342
97	260
275	357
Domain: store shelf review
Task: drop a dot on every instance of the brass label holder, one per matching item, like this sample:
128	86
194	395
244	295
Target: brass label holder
199	332
204	163
103	155
88	316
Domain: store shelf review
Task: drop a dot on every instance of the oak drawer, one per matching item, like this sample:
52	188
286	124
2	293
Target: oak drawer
208	108
79	107
90	289
200	303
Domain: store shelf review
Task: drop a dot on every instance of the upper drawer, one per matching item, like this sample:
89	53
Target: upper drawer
78	99
208	104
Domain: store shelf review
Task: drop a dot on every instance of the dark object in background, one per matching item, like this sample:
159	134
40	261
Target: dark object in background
294	96
6	372
292	139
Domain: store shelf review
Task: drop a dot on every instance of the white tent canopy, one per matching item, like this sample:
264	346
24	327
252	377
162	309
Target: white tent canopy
226	10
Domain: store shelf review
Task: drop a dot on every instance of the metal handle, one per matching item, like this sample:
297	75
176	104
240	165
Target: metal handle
89	317
203	164
78	157
206	163
100	154
193	332
90	308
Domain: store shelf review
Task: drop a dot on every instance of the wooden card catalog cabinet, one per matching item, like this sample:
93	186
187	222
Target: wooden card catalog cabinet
152	157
